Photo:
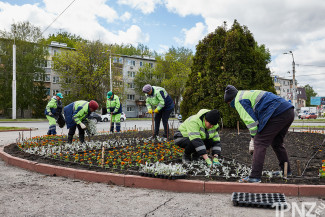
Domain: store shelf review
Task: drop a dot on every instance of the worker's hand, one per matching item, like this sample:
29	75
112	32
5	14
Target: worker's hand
150	111
208	161
251	146
82	126
216	162
156	110
50	113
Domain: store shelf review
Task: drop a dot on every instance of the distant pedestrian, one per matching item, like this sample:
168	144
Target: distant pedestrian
75	113
114	107
52	111
268	118
159	102
200	133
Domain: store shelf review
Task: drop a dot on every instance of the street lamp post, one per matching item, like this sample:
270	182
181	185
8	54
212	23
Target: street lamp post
294	92
14	80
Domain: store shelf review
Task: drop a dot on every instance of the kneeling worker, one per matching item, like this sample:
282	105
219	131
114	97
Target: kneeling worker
199	133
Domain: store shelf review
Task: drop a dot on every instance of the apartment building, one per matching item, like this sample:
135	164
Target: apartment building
283	87
133	104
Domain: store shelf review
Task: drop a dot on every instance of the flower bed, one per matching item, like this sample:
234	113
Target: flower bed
133	153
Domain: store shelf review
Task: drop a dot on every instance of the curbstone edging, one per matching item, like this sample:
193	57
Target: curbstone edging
179	185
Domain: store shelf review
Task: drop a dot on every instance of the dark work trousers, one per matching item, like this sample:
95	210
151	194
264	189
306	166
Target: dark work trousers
164	115
272	134
72	131
184	142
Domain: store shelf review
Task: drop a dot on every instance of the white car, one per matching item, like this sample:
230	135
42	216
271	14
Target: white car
107	117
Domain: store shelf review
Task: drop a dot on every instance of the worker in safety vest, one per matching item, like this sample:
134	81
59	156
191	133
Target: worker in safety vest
268	118
199	133
159	102
75	113
115	109
52	111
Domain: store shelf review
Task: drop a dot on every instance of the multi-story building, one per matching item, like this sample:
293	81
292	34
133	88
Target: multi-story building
133	104
283	87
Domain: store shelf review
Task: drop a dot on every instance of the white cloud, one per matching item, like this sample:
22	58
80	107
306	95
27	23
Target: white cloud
163	48
146	6
193	35
281	25
126	16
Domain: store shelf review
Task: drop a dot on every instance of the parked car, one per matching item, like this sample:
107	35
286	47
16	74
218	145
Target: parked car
309	116
95	117
107	117
300	114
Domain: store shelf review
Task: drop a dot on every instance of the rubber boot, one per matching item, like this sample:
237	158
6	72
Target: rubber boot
118	127
195	156
49	132
112	128
70	138
82	138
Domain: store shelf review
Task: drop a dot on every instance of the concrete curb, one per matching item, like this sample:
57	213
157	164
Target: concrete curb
179	185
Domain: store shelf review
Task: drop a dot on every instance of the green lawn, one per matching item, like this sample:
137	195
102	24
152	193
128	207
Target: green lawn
19	120
13	128
311	120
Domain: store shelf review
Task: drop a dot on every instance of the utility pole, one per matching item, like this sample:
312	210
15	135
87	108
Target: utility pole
294	92
110	70
14	80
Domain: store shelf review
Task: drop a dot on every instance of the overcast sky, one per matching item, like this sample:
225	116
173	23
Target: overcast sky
282	25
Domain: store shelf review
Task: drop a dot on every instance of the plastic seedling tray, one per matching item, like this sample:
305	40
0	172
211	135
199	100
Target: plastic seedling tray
261	200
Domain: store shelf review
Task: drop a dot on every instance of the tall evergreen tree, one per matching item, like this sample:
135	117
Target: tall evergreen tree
225	57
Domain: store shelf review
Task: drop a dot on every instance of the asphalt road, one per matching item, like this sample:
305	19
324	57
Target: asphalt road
24	193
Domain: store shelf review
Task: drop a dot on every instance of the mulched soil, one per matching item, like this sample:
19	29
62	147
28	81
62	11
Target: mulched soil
304	147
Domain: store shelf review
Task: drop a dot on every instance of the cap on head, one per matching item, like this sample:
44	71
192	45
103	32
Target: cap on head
93	105
59	95
213	117
230	93
109	94
147	88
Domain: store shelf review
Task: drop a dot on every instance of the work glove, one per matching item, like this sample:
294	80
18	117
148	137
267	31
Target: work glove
208	161
82	126
216	162
50	114
156	110
251	146
150	111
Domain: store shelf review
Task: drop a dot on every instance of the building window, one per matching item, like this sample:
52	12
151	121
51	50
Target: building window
56	79
131	74
151	65
141	63
131	62
141	97
130	108
67	92
131	85
130	96
48	90
55	92
47	78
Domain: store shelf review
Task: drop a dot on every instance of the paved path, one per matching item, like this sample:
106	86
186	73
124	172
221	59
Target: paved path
24	193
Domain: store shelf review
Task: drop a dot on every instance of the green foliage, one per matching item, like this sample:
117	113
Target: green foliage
129	50
65	37
85	72
146	75
225	57
30	56
309	93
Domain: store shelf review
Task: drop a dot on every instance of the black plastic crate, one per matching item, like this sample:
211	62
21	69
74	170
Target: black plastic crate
262	200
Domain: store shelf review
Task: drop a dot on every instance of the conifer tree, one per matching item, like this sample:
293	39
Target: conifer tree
225	57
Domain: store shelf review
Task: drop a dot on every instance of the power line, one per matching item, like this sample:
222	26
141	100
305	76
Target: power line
311	74
308	65
58	16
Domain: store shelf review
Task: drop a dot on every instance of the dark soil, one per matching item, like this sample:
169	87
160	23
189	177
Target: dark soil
304	147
